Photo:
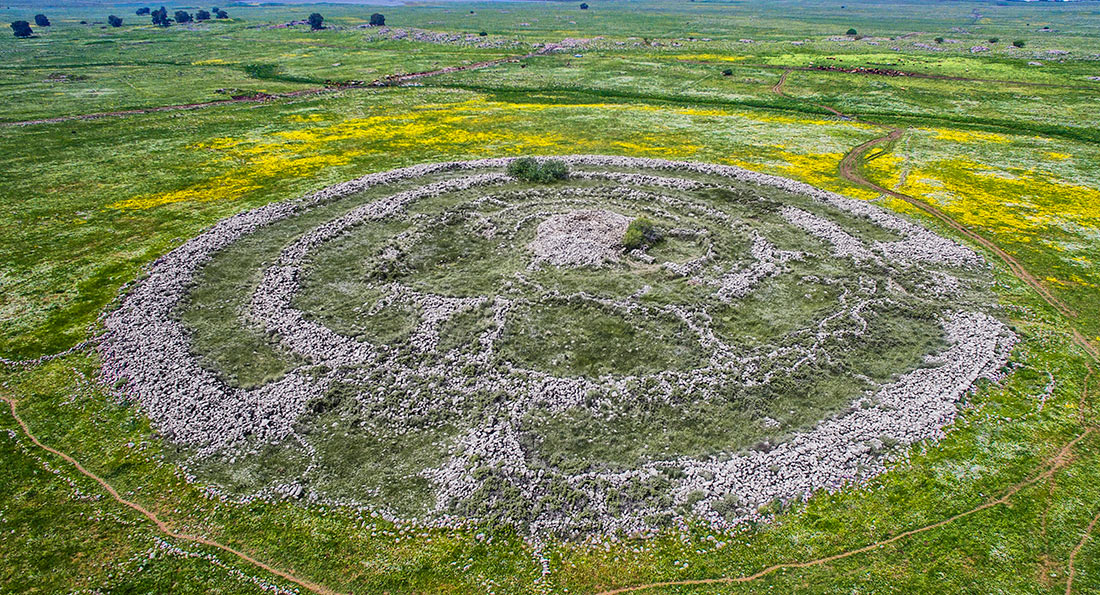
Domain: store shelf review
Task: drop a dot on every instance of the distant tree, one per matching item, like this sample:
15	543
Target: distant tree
1019	43
21	29
316	21
939	40
852	32
160	17
143	10
994	39
221	14
202	15
584	6
377	20
215	9
484	34
41	20
182	16
114	21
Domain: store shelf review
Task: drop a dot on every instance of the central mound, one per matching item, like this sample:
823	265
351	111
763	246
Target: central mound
448	344
589	237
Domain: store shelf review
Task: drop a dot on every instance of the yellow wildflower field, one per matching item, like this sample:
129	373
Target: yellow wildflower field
486	128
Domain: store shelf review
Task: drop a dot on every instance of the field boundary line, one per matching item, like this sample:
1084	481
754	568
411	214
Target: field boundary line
904	74
386	81
162	526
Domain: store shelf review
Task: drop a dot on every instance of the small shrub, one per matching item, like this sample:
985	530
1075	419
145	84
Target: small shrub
41	20
21	29
727	72
584	6
553	170
994	39
852	32
641	232
377	20
531	170
202	15
939	40
484	34
1019	43
114	21
221	14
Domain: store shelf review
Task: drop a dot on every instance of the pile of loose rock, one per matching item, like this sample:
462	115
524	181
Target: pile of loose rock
149	352
589	237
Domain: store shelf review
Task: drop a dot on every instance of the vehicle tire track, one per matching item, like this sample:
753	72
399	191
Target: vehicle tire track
1052	466
162	526
848	170
1077	549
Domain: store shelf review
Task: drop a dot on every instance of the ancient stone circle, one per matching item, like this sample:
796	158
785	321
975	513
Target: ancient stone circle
495	387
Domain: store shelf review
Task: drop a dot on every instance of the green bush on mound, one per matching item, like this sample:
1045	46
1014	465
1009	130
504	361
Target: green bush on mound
641	232
531	170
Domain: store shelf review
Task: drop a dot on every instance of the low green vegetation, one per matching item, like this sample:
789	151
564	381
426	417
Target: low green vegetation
1000	133
529	169
641	232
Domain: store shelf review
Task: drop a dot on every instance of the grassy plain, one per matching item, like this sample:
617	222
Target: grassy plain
87	202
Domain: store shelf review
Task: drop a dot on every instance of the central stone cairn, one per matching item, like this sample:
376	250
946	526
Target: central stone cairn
445	344
590	237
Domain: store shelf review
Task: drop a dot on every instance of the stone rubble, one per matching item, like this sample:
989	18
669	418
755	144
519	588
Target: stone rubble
148	352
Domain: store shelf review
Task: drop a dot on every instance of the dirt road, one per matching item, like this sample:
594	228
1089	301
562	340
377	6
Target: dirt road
162	526
849	170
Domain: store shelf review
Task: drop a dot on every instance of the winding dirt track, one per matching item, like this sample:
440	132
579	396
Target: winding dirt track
1061	459
849	170
162	526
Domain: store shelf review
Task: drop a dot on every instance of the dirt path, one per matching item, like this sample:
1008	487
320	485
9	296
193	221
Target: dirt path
1071	571
1059	460
849	170
162	526
778	87
1077	549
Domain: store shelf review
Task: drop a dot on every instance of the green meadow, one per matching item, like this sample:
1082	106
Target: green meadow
1003	140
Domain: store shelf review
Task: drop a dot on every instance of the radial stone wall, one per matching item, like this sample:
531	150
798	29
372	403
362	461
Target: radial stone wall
445	344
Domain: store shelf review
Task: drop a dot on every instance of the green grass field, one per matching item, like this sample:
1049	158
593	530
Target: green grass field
1003	140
